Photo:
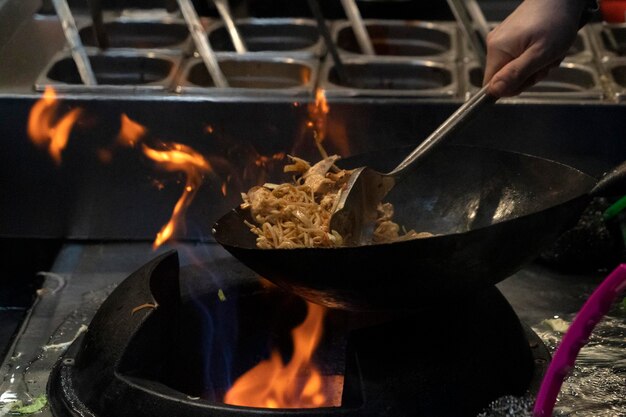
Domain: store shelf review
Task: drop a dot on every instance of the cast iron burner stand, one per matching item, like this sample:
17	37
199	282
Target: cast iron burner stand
138	360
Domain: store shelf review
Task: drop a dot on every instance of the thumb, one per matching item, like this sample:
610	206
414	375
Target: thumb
496	60
511	78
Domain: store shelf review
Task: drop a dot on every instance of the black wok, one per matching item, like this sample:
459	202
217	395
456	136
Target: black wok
493	212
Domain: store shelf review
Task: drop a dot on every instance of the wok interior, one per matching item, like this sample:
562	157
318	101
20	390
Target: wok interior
456	189
462	188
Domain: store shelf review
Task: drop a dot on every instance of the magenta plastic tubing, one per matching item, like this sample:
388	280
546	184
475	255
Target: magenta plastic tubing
596	306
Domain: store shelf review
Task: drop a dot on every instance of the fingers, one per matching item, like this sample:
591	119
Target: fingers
516	74
532	80
496	59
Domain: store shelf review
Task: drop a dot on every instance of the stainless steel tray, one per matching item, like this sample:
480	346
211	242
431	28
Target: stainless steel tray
570	81
610	39
615	72
115	71
582	50
391	78
155	36
395	38
271	36
251	75
153	32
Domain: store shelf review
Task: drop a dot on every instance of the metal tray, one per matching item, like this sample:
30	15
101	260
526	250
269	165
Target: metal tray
395	38
615	70
610	39
570	81
581	50
251	74
114	70
273	36
391	78
155	35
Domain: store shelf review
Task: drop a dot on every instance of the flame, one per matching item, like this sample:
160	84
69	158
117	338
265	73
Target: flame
264	161
272	384
318	113
172	157
176	157
130	131
42	128
323	129
105	156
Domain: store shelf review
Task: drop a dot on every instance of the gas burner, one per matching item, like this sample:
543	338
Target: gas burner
170	341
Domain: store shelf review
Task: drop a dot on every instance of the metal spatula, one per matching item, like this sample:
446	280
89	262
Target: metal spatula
224	10
201	41
355	213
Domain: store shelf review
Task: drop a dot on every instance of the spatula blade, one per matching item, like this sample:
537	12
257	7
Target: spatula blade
355	214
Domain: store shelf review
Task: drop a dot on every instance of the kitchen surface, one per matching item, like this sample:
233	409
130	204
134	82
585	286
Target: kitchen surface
132	128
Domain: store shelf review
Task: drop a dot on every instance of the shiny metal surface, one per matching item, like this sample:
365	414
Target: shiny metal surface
359	120
115	71
386	78
203	47
165	36
395	38
616	74
322	27
610	39
474	32
358	202
224	10
100	35
582	50
250	75
271	36
358	27
83	65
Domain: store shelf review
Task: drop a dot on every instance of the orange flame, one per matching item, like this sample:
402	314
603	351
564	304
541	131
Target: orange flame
42	128
323	128
318	113
264	161
130	131
178	157
272	384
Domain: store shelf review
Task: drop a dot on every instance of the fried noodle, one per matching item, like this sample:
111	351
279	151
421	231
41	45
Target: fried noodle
297	214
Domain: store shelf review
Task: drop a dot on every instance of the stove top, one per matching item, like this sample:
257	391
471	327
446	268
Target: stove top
85	274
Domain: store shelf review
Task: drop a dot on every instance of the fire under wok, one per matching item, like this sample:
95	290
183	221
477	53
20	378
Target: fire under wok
491	211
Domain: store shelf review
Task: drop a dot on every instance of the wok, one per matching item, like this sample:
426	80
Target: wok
492	211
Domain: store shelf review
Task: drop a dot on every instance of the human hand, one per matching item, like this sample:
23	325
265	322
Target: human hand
528	43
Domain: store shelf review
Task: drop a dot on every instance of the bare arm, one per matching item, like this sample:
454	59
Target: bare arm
531	40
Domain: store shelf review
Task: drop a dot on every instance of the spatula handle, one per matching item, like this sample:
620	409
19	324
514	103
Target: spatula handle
450	126
224	10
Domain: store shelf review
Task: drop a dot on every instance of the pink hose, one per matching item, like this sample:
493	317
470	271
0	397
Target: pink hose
596	306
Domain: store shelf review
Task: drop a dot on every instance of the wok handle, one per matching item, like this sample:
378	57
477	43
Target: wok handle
612	184
450	126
